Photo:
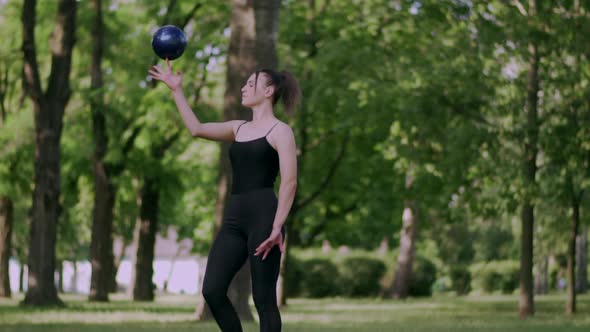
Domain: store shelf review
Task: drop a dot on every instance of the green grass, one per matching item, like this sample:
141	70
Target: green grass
175	313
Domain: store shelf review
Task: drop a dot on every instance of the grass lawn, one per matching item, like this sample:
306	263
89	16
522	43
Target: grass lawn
175	313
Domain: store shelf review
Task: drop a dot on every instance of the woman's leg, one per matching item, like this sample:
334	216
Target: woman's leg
228	254
264	283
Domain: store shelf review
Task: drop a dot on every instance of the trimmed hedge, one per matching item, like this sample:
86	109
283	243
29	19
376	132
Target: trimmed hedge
460	279
360	276
494	276
424	276
320	278
356	274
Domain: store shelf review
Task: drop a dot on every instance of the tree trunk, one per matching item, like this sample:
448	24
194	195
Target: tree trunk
542	276
48	110
116	264
405	259
74	279
60	273
582	261
254	30
21	278
570	307
143	289
526	305
6	222
582	239
135	246
101	243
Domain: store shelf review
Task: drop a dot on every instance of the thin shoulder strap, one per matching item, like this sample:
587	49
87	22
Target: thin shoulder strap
236	134
272	128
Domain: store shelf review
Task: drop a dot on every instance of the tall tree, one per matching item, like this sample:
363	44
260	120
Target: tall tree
101	243
6	216
407	244
254	30
582	260
7	85
48	110
529	170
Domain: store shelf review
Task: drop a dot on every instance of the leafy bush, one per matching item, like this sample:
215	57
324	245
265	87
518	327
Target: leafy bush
293	275
460	279
320	278
494	276
423	277
360	276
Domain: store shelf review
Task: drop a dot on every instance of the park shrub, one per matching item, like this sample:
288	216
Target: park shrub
294	273
496	276
320	278
356	273
360	276
460	279
423	277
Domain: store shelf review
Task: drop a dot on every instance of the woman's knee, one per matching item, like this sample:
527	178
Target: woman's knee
211	293
265	302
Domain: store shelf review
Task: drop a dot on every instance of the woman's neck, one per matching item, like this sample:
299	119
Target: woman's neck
263	113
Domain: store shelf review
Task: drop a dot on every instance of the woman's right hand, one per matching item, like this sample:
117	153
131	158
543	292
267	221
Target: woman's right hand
173	81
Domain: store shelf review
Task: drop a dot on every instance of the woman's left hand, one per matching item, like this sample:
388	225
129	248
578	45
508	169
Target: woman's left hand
275	238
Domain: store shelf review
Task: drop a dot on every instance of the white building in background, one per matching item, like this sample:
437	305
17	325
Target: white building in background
173	263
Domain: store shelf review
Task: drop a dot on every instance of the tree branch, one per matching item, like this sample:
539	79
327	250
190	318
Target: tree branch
199	87
31	80
331	216
159	150
328	177
190	15
62	43
3	93
130	140
520	7
115	169
330	133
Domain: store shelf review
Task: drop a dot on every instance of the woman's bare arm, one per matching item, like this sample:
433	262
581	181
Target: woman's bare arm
287	150
218	131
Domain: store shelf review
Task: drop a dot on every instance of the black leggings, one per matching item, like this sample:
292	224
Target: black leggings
248	223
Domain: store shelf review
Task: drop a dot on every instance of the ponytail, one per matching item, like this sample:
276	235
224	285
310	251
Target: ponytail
286	88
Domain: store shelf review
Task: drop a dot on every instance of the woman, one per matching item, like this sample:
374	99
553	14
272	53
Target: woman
253	228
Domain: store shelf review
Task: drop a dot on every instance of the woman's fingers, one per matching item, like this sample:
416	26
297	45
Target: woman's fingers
265	247
265	253
158	69
261	247
281	244
154	74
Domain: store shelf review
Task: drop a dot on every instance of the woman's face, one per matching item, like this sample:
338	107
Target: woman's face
255	92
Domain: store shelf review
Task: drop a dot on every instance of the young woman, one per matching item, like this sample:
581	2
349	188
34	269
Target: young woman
253	226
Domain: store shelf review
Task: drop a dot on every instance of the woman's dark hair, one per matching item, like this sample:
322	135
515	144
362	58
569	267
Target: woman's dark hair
286	87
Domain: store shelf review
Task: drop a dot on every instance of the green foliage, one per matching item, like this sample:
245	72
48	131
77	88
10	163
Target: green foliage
294	276
315	274
460	279
502	276
321	278
423	277
359	273
361	276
